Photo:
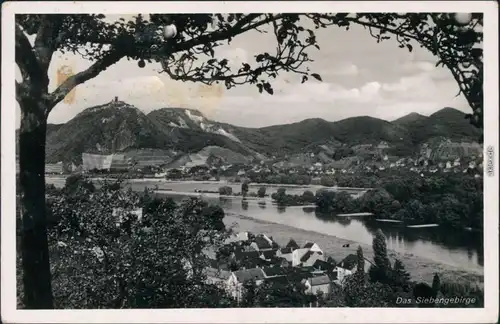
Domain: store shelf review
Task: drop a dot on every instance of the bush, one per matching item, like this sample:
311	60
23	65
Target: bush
244	188
225	191
262	192
308	196
77	182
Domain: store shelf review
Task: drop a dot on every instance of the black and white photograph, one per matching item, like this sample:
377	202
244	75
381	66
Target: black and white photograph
250	161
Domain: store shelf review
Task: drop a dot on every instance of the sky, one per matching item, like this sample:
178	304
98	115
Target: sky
360	78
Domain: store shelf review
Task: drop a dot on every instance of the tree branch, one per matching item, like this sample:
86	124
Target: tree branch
25	57
45	41
110	58
237	29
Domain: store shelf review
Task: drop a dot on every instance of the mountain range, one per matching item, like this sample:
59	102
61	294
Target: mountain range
183	135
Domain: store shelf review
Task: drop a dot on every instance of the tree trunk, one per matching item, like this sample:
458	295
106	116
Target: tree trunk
34	244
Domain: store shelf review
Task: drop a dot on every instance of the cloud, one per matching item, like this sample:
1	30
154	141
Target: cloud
418	66
346	70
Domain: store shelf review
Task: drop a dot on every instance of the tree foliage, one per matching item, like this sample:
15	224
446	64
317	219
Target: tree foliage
244	188
191	56
262	192
380	271
436	284
400	277
119	249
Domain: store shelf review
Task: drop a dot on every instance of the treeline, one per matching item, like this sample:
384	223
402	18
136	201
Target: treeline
450	200
280	178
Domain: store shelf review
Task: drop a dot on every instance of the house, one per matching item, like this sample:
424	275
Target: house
324	266
297	255
312	247
237	280
315	285
270	272
349	262
253	263
348	266
214	264
239	237
240	255
299	274
279	280
310	257
268	254
262	242
292	245
281	262
216	276
285	253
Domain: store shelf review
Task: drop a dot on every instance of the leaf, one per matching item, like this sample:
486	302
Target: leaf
316	76
410	48
260	87
268	88
304	78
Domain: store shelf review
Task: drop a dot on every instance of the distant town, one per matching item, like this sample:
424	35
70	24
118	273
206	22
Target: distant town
119	164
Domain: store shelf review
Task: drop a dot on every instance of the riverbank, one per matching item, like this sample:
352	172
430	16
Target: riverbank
420	269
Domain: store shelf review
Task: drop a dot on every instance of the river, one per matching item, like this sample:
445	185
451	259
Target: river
455	248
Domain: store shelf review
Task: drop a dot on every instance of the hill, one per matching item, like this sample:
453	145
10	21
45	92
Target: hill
309	134
184	136
120	127
448	123
191	131
105	129
409	119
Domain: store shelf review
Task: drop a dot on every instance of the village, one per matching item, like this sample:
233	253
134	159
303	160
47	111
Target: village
247	258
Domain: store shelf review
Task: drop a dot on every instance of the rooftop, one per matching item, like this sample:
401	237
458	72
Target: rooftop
292	244
262	243
286	250
320	280
349	262
273	271
308	245
249	274
268	254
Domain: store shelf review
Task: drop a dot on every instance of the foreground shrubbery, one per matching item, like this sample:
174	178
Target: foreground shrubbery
119	249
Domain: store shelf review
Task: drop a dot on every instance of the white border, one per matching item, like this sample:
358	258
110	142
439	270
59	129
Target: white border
277	315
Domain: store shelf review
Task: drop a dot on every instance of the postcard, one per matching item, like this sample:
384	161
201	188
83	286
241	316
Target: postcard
249	162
